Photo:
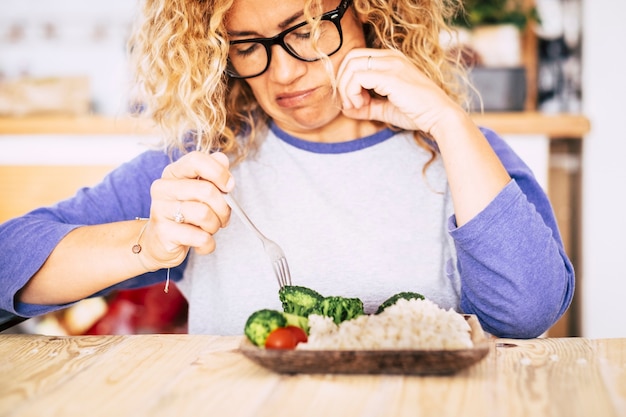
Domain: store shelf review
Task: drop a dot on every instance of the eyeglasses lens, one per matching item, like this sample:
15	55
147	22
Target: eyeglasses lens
249	59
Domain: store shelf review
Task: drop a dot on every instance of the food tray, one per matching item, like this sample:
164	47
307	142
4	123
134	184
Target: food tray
406	362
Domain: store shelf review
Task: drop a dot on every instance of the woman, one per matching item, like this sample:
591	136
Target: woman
340	130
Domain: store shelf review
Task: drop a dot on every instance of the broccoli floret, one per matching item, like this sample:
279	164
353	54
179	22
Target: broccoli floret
298	321
339	308
261	323
405	295
298	300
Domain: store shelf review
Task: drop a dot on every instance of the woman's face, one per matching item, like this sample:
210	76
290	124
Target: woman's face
297	95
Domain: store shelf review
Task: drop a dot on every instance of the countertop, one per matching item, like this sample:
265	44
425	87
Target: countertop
193	375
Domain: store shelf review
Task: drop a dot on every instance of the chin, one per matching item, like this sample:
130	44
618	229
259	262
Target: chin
315	118
312	124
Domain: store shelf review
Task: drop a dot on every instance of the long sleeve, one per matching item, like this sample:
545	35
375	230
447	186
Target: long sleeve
515	274
27	241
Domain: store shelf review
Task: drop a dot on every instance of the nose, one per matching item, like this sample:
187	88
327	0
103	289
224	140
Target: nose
284	68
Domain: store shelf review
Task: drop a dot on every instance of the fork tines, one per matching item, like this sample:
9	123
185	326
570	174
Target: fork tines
281	269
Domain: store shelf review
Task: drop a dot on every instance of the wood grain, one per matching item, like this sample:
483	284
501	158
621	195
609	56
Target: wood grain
47	363
184	375
82	363
549	377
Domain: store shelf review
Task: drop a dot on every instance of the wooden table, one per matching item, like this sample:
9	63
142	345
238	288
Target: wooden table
184	375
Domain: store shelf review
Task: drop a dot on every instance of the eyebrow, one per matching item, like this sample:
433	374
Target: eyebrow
282	25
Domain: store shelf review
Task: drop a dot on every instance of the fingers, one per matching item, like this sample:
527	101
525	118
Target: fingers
198	201
405	97
166	243
197	213
188	207
361	71
175	239
200	178
198	165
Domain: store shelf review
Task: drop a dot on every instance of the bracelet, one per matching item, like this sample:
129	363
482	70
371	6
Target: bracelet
137	249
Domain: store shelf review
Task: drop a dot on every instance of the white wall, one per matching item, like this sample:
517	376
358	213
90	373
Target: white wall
603	274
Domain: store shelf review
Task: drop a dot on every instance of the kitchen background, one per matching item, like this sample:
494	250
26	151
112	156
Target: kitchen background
579	70
42	38
74	38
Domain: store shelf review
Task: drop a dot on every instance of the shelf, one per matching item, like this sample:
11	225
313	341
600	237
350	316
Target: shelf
79	125
522	123
557	126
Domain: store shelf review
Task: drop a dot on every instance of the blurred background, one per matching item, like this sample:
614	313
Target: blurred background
69	38
550	80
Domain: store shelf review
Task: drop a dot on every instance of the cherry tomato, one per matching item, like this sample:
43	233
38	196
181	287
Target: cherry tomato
281	338
298	333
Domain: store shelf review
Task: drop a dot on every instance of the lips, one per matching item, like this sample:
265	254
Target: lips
294	99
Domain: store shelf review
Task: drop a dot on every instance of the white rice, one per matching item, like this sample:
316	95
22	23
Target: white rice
408	324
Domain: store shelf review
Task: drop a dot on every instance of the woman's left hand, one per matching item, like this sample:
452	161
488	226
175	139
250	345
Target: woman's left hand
407	99
410	100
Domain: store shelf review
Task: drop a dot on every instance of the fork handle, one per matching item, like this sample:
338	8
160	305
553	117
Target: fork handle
234	205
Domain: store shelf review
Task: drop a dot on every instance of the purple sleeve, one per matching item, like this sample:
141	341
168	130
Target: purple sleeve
515	274
27	241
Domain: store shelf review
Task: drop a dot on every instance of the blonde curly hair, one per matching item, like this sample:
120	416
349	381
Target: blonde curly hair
179	51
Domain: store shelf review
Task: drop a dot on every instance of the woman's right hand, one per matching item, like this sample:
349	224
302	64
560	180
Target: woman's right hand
190	187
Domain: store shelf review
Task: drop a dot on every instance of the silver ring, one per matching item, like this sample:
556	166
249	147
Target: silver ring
178	216
369	63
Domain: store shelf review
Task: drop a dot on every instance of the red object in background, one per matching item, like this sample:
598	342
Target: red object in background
144	310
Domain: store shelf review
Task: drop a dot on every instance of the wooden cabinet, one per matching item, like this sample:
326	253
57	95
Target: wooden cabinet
26	187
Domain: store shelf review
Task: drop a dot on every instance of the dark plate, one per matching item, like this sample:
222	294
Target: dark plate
406	362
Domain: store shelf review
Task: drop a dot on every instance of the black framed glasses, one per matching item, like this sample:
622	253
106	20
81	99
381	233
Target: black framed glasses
249	58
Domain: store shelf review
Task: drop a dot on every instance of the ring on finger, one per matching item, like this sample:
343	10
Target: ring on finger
178	216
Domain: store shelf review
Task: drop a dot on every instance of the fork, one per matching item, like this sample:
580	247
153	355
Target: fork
273	251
